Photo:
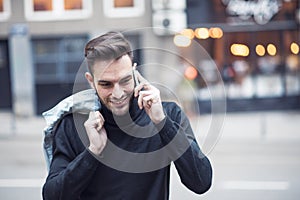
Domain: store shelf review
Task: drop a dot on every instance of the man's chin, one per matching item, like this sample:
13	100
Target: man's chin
120	111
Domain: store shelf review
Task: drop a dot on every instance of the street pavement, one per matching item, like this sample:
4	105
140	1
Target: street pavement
255	156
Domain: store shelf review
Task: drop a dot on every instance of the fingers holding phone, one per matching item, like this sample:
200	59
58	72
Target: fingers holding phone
149	98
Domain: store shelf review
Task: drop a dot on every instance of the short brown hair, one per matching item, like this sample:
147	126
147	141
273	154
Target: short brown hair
110	46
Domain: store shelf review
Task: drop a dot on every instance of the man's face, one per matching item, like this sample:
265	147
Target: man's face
114	83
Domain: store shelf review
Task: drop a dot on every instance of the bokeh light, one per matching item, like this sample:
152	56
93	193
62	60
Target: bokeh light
188	33
202	33
191	73
260	50
271	49
215	32
181	40
239	50
294	48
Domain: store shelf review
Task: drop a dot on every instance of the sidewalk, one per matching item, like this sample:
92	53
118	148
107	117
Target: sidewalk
14	125
267	125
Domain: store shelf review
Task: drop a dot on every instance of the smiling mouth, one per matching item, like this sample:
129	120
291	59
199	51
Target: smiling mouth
119	102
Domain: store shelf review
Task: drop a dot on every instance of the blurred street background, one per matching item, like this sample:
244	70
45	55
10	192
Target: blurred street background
216	58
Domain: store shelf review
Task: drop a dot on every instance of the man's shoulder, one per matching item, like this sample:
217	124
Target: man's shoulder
74	116
73	120
172	109
171	106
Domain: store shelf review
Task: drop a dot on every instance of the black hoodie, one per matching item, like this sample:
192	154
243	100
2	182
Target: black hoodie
135	164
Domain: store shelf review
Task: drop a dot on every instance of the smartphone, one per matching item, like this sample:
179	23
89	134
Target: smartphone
136	81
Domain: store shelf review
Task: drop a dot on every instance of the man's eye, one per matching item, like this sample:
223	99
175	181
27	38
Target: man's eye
105	85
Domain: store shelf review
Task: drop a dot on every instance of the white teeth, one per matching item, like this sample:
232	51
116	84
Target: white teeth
117	102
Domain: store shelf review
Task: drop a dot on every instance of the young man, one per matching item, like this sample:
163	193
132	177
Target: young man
123	150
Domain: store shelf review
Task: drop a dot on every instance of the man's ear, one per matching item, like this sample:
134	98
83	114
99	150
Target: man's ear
89	77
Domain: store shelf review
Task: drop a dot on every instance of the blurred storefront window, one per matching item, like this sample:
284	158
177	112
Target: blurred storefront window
56	61
123	3
123	8
73	4
43	10
42	5
257	54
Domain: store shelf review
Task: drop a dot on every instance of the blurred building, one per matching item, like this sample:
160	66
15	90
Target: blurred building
254	44
42	43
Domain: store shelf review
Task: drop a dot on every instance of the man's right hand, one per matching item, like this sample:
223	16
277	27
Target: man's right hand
96	132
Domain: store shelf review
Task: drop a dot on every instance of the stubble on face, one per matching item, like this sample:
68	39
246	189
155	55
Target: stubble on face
119	107
114	84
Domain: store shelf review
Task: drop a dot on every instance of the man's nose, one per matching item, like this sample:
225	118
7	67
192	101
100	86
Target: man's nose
117	91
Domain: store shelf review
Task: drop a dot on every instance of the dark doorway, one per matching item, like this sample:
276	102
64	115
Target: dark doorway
5	81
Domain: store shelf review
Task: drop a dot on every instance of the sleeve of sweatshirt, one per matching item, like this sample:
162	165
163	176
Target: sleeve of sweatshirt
193	166
70	171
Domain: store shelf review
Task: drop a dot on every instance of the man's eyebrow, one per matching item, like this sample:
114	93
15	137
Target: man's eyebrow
103	81
107	81
126	77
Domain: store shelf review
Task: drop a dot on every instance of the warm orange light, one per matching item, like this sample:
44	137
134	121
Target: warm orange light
181	40
215	32
191	73
260	50
294	48
239	50
271	49
123	3
202	33
73	4
188	33
1	6
42	5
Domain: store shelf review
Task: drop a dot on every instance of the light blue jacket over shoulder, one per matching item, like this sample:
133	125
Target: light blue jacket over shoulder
81	102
